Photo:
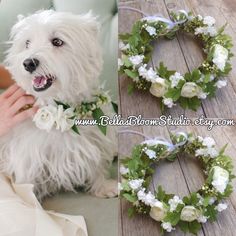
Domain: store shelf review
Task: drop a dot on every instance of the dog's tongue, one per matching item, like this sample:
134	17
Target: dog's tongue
39	81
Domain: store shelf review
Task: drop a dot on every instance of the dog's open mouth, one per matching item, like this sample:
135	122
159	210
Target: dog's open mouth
41	83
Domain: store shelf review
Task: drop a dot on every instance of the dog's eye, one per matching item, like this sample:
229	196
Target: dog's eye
27	43
57	42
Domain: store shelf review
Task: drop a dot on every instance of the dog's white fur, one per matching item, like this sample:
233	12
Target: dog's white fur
55	160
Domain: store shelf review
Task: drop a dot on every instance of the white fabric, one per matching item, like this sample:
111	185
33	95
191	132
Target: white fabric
22	215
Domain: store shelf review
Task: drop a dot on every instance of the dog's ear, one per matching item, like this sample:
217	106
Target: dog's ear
18	26
92	23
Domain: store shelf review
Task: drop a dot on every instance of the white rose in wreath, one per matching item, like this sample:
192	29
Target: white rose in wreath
220	178
158	212
189	214
190	89
220	56
45	117
158	88
64	119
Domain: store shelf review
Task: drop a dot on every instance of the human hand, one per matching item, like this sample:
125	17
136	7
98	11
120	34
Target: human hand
11	101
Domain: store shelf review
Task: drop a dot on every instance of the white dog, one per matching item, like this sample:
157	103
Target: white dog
57	56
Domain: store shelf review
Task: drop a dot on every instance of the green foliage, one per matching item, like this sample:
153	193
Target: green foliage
97	113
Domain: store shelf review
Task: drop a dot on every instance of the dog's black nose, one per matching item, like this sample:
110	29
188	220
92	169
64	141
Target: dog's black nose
31	64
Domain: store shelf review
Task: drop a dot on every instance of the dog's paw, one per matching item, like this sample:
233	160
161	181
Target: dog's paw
108	189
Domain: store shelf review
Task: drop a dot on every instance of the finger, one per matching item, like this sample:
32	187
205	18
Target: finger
24	115
12	89
15	96
21	102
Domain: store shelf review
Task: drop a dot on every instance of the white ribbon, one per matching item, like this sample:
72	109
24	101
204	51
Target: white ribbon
171	24
170	145
159	140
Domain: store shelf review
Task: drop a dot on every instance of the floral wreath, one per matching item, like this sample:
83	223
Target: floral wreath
189	212
171	86
61	116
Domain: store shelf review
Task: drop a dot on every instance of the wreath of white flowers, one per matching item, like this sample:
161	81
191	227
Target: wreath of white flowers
169	85
61	116
189	212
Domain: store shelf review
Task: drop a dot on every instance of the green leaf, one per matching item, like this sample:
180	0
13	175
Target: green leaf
194	227
191	103
130	88
172	217
115	107
211	212
131	74
97	113
131	211
184	226
173	93
75	129
160	193
222	150
196	75
130	197
65	106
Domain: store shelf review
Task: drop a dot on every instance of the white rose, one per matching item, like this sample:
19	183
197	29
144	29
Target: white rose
221	83
189	214
45	117
63	119
159	88
168	102
189	90
220	178
220	56
136	60
209	20
158	212
151	30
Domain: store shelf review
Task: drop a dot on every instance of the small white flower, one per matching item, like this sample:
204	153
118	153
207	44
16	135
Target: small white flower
221	83
202	95
151	75
174	202
175	79
123	46
124	170
136	60
212	77
189	90
135	183
151	154
167	226
209	20
212	200
141	194
45	117
120	188
168	102
220	56
151	30
199	17
64	119
150	199
221	207
208	142
202	219
143	71
212	152
199	138
211	31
